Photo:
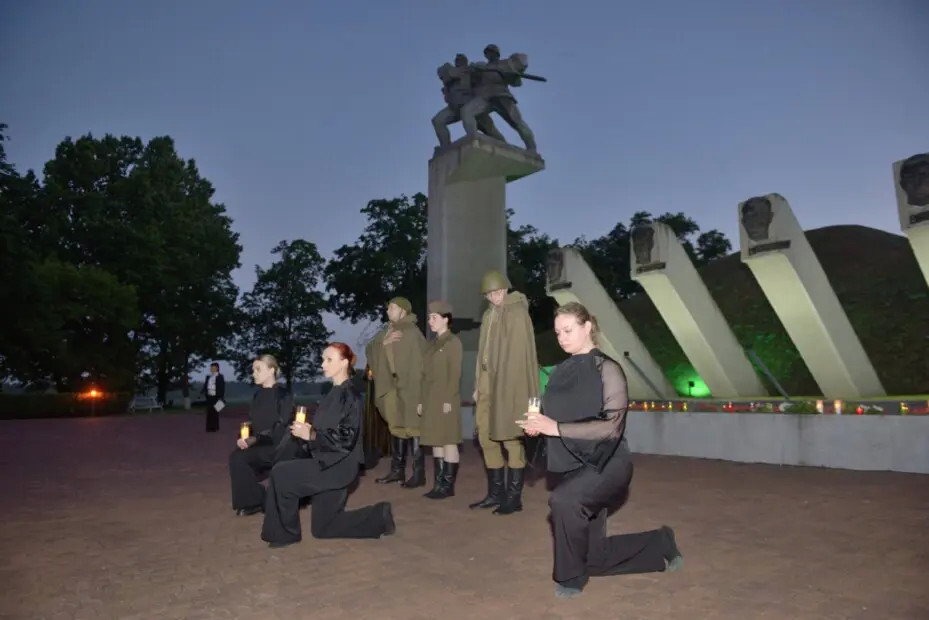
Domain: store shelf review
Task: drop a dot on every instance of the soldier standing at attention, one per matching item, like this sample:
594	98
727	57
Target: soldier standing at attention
395	356
441	407
506	376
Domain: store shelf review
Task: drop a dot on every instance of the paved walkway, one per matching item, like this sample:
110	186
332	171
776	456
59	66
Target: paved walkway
129	518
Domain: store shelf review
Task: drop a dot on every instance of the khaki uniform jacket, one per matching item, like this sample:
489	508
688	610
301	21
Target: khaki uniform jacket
398	370
442	384
507	354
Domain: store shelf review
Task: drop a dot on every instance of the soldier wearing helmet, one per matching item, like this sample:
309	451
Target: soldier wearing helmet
395	356
506	376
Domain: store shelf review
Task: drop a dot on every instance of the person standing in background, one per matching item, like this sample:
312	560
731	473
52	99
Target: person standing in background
214	388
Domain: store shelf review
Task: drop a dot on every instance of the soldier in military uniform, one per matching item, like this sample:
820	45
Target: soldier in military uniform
492	94
441	406
506	376
458	90
395	356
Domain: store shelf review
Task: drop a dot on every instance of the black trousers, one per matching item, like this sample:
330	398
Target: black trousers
212	416
579	508
244	468
292	480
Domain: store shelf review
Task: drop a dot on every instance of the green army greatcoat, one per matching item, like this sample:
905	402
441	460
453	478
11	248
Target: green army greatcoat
398	370
442	384
507	341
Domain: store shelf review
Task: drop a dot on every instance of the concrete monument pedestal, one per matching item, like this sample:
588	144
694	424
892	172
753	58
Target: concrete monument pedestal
665	271
776	249
571	279
467	228
911	181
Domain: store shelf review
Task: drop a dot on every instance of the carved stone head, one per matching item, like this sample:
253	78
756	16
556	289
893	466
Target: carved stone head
554	267
492	53
643	242
461	60
914	179
757	215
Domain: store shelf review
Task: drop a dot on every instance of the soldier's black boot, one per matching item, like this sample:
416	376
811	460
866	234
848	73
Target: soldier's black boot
449	475
418	458
437	483
514	494
397	461
495	490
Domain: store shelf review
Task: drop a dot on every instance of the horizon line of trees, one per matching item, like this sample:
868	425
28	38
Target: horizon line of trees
118	265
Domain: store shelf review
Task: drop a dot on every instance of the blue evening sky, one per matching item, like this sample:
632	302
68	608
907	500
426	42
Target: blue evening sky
301	112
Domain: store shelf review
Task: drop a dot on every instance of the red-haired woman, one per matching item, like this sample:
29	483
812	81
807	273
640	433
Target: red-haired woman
335	452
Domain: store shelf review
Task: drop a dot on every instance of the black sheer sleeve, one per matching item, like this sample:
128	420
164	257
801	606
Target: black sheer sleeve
593	440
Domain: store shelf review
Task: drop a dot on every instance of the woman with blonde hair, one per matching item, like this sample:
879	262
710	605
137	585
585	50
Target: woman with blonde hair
271	410
584	422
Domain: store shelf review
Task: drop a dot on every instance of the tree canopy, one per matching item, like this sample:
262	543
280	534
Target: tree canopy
281	315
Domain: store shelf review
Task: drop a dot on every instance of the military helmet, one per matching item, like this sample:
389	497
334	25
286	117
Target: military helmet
493	280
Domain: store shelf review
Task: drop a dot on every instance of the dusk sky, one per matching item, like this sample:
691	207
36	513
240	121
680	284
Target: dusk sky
301	112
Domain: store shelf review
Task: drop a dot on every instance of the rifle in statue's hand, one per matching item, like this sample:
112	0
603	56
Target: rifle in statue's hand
505	74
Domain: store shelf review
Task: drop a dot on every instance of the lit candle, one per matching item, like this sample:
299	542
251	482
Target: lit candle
837	405
819	406
244	430
301	415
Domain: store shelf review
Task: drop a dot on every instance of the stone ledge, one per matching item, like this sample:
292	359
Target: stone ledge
480	157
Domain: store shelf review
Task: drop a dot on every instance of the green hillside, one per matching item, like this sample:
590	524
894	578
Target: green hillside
876	278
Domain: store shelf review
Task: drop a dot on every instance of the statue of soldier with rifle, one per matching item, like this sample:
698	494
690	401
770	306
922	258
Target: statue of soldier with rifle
486	89
457	88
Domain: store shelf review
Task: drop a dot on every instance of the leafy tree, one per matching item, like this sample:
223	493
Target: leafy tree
143	216
388	259
527	258
282	314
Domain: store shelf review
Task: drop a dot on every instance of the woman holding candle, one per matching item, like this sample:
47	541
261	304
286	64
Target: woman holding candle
441	406
257	448
335	455
584	422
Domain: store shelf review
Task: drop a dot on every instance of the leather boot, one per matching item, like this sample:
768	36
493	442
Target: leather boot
495	489
514	493
449	475
397	461
418	458
437	484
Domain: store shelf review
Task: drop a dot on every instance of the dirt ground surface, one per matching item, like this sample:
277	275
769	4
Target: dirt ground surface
129	517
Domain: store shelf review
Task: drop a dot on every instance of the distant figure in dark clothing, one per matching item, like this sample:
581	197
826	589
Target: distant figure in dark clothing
334	453
584	422
271	411
214	388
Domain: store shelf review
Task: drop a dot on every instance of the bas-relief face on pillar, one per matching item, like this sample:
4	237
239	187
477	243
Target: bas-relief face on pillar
914	180
757	215
643	244
554	267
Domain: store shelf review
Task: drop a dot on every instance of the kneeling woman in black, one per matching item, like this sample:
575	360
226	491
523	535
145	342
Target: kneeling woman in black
585	406
334	451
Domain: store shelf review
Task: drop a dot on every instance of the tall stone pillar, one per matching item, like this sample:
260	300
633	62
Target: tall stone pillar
777	251
467	228
663	268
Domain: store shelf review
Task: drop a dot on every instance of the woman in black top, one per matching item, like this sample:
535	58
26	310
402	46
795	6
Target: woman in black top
333	451
269	414
585	406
